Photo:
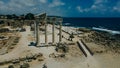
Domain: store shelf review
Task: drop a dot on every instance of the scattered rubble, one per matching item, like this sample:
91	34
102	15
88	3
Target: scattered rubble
27	58
63	48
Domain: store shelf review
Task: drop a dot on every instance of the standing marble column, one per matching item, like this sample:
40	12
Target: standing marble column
60	32
37	33
53	32
45	32
35	29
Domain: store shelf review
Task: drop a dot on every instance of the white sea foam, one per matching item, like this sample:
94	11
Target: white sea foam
106	30
66	23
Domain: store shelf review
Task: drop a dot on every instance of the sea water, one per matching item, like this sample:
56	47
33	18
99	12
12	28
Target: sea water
104	24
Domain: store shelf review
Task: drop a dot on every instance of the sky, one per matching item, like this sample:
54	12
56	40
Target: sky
65	8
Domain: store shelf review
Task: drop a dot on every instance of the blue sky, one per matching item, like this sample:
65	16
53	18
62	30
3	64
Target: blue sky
66	8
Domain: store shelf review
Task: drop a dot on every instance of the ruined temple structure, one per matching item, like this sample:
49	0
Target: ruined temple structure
40	20
43	19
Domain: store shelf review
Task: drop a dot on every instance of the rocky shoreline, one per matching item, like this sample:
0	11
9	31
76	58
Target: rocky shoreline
112	42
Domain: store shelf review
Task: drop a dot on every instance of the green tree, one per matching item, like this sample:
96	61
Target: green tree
14	16
22	16
29	16
9	16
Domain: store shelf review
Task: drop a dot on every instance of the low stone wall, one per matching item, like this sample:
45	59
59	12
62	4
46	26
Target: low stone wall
27	58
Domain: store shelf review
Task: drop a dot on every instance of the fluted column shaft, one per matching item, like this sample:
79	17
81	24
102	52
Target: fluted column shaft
53	32
45	33
60	32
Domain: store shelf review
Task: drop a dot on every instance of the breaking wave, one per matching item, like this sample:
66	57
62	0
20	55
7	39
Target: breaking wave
106	30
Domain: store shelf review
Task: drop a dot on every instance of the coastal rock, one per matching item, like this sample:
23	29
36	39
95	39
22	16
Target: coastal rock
103	38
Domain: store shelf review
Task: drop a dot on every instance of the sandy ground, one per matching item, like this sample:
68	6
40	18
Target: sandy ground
21	49
105	60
